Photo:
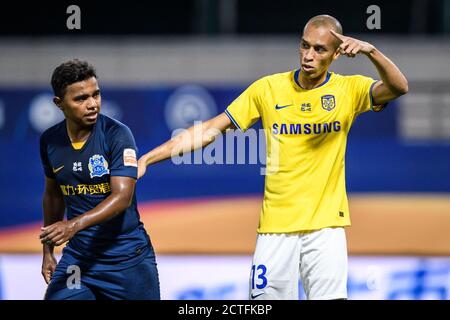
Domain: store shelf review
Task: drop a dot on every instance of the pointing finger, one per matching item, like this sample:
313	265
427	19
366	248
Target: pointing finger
344	45
356	50
350	48
337	35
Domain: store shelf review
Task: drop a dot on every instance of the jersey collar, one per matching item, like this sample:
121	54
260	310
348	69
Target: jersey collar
295	76
88	139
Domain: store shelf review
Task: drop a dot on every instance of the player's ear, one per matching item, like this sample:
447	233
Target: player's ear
57	101
336	53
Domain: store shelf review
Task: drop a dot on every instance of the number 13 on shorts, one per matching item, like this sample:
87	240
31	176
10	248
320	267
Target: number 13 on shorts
258	276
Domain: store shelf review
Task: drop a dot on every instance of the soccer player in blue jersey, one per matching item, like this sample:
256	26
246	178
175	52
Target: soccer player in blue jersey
90	171
307	114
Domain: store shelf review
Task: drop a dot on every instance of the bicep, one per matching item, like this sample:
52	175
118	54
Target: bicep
123	185
52	189
52	202
381	94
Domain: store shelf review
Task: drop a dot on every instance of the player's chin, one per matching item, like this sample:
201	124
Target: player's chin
308	69
311	73
91	117
89	121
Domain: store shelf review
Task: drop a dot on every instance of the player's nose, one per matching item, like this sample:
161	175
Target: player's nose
92	103
308	54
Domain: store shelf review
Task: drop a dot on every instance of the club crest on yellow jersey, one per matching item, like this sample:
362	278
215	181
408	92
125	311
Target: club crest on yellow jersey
328	102
98	166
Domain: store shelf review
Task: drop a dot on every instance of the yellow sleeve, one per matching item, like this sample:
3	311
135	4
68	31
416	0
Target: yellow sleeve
245	110
361	88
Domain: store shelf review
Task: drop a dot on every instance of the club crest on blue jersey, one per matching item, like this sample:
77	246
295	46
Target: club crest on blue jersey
328	102
98	166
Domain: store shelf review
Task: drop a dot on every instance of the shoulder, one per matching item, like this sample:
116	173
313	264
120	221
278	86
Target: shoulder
54	133
277	77
272	80
114	132
112	126
351	79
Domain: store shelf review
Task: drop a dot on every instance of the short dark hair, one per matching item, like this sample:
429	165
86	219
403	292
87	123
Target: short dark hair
70	72
325	20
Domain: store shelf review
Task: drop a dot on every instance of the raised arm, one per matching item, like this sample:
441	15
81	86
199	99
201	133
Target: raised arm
189	140
393	83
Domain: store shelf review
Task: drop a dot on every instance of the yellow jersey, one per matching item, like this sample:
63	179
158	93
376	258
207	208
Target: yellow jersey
306	135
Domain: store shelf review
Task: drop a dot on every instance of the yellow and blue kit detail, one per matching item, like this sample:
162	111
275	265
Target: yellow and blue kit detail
83	175
306	137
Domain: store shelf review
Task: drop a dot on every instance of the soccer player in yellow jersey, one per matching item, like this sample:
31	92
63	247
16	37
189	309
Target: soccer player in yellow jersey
307	114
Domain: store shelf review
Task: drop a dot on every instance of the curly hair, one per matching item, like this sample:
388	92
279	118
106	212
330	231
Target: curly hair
70	72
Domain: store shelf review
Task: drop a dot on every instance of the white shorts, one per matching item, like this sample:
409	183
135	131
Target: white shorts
319	258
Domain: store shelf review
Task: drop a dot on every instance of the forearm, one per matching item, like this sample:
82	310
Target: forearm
160	153
189	140
53	208
389	73
113	205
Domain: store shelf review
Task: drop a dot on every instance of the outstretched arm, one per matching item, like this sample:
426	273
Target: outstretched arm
189	140
393	83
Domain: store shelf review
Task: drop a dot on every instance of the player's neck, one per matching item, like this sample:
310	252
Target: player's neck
77	133
311	83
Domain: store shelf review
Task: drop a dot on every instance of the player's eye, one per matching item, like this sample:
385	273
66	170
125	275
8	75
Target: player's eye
304	45
320	49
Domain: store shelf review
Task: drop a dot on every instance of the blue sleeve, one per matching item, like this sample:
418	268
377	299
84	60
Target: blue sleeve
123	152
44	158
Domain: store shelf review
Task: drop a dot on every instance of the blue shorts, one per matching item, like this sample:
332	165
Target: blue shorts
139	282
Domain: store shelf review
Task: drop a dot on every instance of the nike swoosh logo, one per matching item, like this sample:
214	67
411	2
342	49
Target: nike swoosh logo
256	295
57	169
277	107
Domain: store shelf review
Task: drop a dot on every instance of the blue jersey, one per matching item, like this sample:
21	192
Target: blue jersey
83	176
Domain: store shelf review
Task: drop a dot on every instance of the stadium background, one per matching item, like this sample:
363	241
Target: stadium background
162	67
